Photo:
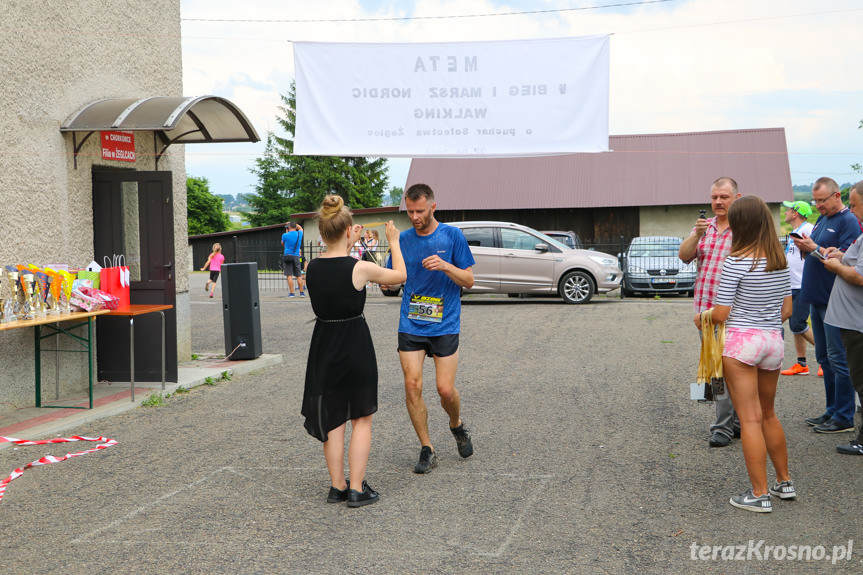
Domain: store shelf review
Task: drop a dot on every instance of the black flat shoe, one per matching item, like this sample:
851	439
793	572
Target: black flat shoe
820	420
833	426
338	495
366	497
853	448
719	440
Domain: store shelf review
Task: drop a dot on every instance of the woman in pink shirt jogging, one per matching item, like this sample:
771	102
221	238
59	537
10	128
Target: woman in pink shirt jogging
215	263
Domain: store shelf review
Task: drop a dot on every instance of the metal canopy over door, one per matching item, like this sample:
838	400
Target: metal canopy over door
133	215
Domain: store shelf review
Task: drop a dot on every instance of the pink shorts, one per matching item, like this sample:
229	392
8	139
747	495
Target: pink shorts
764	349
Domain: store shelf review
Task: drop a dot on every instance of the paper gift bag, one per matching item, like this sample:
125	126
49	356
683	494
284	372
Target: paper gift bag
94	277
114	279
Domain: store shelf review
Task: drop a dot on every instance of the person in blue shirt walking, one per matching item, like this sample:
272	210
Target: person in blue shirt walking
438	262
292	242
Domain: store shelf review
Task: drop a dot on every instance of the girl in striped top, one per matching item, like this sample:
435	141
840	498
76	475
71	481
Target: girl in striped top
753	300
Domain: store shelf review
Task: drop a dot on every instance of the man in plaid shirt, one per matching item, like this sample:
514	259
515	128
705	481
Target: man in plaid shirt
710	243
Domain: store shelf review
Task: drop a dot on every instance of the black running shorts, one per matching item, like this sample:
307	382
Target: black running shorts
436	346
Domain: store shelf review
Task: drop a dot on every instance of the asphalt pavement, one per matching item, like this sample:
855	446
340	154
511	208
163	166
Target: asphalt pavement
589	458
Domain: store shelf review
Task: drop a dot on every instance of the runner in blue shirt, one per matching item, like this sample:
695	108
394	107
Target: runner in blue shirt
438	262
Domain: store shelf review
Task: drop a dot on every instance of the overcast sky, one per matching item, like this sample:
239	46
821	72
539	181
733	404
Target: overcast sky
676	65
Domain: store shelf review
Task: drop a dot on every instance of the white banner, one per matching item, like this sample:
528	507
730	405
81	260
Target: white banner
516	98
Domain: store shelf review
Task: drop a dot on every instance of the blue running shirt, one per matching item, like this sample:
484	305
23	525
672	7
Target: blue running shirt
433	286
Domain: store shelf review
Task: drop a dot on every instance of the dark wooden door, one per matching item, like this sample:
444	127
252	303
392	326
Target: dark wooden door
133	215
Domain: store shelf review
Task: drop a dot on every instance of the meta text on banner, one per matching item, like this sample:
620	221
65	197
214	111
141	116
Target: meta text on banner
516	98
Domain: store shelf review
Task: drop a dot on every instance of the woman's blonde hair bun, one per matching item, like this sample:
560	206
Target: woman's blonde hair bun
333	218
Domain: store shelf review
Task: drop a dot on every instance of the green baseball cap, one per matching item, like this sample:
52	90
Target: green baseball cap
801	208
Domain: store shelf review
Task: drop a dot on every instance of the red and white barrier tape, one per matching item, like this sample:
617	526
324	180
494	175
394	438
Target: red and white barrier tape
48	459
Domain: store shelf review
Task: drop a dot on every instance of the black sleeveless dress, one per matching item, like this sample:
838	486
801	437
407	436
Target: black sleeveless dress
342	371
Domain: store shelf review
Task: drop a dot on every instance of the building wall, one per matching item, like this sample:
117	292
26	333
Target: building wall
669	220
678	221
601	227
58	57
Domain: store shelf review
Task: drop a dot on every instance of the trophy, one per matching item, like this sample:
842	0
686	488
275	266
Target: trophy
26	279
38	299
62	302
12	307
42	291
55	287
65	291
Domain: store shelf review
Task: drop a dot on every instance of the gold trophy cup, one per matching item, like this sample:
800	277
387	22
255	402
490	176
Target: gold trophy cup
13	306
27	287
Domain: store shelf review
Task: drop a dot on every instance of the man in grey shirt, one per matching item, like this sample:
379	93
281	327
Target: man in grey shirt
845	309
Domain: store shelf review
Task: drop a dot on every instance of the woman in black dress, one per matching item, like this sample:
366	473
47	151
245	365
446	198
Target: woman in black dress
341	373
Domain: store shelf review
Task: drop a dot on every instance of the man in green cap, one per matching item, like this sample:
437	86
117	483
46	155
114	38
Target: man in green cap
795	215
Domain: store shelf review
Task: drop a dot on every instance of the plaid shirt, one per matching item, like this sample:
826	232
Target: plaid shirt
712	249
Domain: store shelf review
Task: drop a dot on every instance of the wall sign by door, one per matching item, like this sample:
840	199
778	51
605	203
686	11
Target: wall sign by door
118	146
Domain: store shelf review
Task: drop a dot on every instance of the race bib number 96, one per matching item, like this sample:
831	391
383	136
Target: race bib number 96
425	308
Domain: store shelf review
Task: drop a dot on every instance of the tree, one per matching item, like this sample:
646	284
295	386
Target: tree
270	203
242	202
204	210
288	183
858	167
396	195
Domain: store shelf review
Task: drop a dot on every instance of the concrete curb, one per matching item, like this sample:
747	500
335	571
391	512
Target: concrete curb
190	375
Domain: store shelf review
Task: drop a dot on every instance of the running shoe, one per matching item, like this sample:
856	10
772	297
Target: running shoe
462	440
427	462
783	490
796	369
291	295
749	502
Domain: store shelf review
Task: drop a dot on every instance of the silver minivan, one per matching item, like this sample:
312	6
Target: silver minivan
515	259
